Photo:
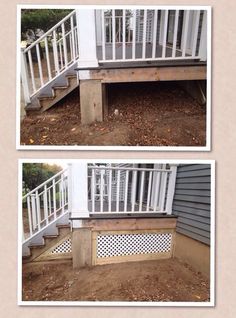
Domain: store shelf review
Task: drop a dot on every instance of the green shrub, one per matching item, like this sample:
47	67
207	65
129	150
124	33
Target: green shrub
41	19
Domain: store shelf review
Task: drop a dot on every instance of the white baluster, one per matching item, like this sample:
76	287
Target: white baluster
47	59
29	215
134	189
185	32
93	187
144	34
101	189
55	52
45	203
149	191
165	33
118	191
60	52
141	191
72	37
123	35
163	190
64	44
175	33
34	217
54	198
110	190
31	70
113	35
62	194
195	31
39	64
126	189
103	37
38	209
154	40
134	36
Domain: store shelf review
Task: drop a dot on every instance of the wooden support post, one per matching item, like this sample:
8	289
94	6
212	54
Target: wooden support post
82	247
196	89
105	99
91	101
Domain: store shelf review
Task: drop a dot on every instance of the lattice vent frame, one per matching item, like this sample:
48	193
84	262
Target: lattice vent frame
119	246
60	250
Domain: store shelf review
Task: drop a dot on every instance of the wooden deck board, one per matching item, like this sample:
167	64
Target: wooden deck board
138	51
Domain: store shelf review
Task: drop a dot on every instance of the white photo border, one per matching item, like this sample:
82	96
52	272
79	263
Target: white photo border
116	148
211	303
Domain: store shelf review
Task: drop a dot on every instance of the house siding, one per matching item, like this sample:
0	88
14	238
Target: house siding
192	201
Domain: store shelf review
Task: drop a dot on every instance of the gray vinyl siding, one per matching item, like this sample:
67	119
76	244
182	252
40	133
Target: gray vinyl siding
192	201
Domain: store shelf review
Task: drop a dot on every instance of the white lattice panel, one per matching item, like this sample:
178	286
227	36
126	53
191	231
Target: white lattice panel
64	247
130	244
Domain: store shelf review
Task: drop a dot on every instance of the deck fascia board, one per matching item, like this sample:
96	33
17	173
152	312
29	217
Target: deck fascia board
145	74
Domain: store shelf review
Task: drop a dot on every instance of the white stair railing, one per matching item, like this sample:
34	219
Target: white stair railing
45	204
158	35
130	189
49	56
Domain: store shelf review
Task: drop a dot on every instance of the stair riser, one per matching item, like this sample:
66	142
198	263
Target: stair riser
63	231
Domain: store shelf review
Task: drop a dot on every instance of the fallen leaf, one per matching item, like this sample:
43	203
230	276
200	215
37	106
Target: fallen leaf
198	297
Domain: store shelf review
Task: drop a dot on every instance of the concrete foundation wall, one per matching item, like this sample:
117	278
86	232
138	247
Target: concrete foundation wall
193	252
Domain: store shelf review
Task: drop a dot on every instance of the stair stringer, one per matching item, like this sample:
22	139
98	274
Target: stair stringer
48	254
50	229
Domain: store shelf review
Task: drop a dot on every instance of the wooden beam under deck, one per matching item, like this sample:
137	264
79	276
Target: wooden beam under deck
129	224
145	74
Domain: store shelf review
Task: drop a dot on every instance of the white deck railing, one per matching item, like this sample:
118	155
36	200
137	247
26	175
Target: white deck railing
130	190
113	36
153	35
49	56
45	204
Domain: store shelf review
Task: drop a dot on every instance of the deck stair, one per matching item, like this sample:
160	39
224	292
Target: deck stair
46	223
48	248
54	91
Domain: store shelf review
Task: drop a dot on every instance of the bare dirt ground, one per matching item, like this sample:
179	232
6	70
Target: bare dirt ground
162	280
150	114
